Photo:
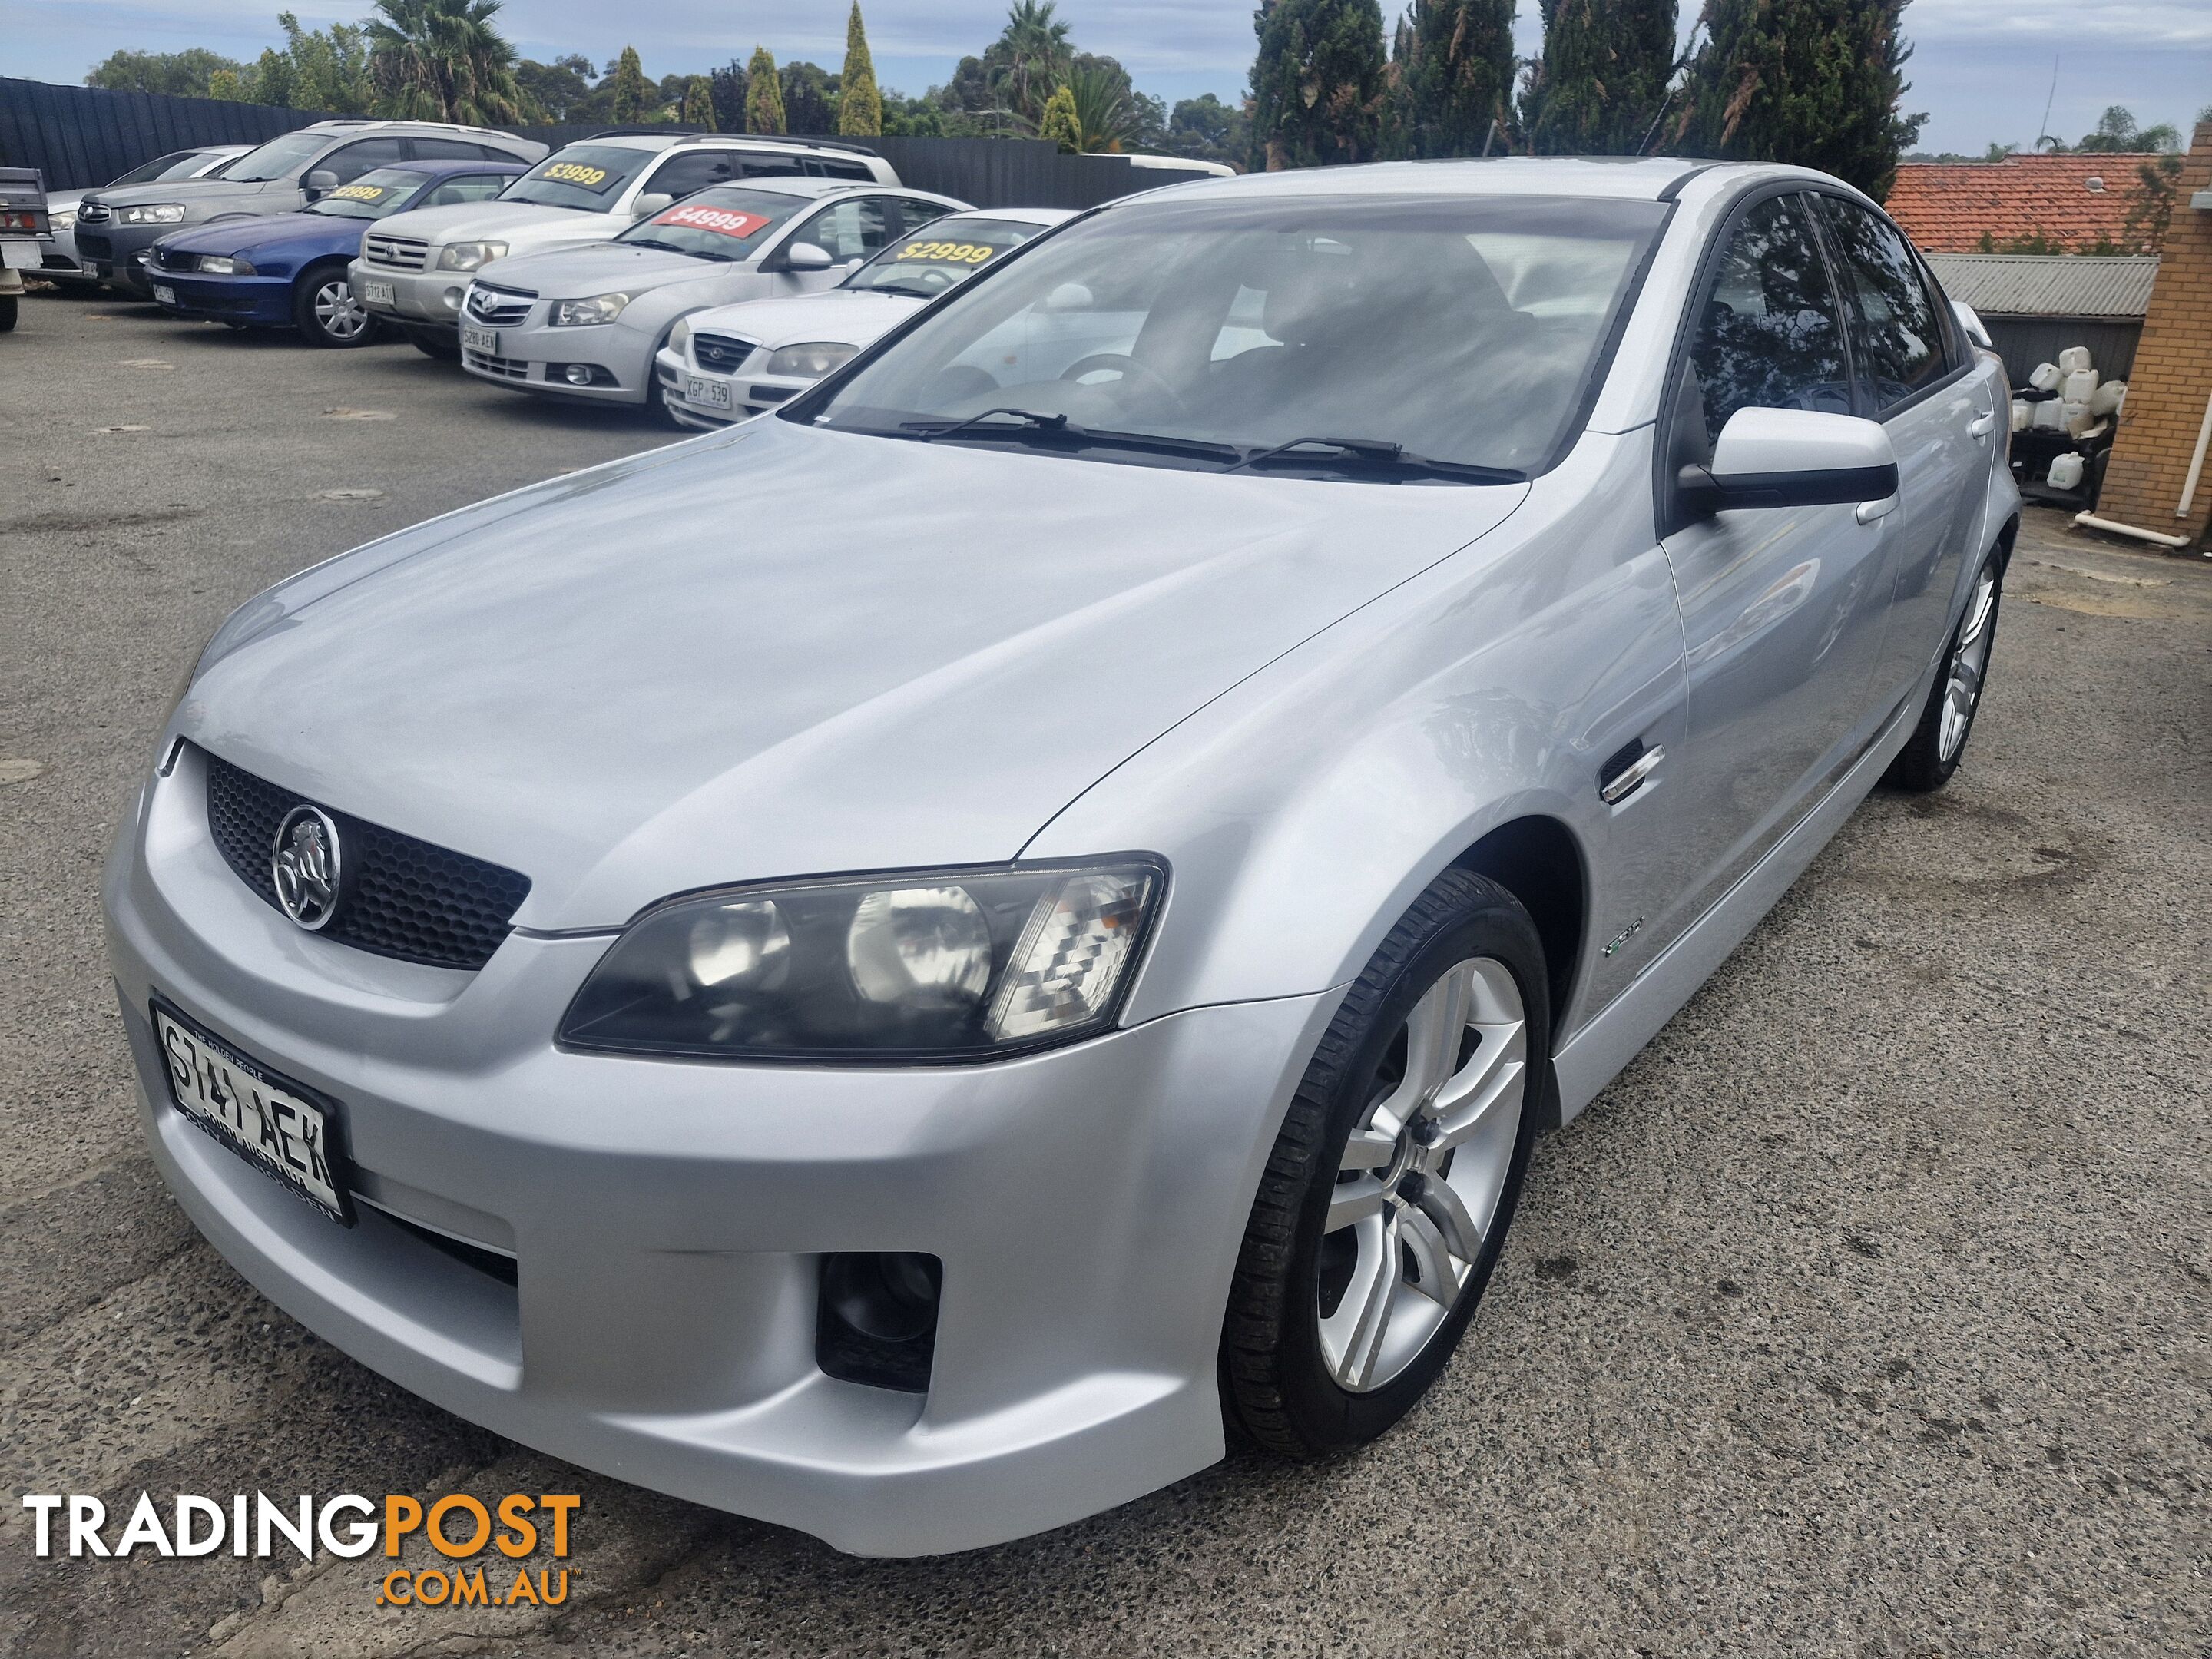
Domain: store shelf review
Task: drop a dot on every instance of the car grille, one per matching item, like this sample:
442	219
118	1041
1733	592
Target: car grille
501	307
93	213
93	248
171	259
409	899
514	369
399	252
722	352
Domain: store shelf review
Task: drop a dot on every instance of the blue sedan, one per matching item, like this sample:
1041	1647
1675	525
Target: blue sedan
288	270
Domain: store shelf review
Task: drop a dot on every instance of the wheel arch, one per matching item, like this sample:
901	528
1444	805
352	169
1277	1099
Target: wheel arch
1537	860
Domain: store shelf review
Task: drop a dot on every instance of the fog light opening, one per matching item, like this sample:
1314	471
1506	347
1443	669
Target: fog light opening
876	1320
577	374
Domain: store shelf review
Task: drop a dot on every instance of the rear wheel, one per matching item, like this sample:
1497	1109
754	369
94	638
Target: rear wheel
325	312
1388	1194
1932	754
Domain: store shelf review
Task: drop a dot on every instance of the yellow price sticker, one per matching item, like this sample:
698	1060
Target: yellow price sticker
575	173
359	192
955	253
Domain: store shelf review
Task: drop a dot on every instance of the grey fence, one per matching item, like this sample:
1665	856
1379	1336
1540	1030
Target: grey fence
82	136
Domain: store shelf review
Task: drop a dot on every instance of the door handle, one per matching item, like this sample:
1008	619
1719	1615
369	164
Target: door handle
1868	512
1627	772
1982	425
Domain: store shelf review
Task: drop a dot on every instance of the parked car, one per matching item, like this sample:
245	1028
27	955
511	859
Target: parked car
415	270
62	263
585	322
898	967
723	364
24	236
289	271
116	229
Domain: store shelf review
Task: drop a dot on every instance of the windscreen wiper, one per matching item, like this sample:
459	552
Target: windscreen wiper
1379	454
1058	430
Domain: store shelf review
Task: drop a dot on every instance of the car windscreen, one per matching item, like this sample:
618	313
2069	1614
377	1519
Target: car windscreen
385	190
947	251
727	221
179	164
1459	329
586	176
278	158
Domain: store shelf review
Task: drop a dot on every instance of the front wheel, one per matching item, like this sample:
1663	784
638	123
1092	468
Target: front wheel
1391	1184
1932	753
325	312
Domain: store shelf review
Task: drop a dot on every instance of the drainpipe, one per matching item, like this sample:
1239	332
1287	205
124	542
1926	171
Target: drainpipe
2196	464
2091	521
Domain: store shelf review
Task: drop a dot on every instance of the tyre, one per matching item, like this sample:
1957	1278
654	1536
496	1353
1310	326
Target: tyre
431	345
7	314
326	312
1932	753
1388	1191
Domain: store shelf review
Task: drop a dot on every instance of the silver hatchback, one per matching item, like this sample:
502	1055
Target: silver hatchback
898	967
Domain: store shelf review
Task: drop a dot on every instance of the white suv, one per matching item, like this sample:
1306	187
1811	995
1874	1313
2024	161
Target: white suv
414	267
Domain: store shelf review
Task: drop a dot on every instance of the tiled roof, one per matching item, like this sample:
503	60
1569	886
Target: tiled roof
1947	207
2049	284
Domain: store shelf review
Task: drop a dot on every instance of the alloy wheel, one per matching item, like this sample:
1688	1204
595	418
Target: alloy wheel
337	313
1418	1184
1969	659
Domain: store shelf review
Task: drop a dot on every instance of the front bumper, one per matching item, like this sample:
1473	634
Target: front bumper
533	356
109	250
748	395
667	1219
264	301
426	302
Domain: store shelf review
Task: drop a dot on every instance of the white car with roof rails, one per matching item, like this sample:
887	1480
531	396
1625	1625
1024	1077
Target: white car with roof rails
734	361
414	268
62	263
585	322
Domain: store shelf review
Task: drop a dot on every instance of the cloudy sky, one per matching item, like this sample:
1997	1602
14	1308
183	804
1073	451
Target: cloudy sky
1982	68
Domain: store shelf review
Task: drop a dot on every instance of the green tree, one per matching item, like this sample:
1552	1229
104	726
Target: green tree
184	74
2117	133
1812	83
634	97
317	68
809	98
2150	207
698	108
859	105
1317	82
1602	79
764	95
1099	99
1031	57
729	90
442	60
555	90
1060	121
1451	76
1207	129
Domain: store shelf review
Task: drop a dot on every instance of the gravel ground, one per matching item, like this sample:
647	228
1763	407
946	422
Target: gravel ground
1864	1314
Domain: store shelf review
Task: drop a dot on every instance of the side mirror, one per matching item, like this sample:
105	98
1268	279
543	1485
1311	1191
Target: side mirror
807	256
320	181
1792	458
653	201
1971	321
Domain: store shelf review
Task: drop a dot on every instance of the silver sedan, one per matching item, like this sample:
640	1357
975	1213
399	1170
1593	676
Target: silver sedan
900	968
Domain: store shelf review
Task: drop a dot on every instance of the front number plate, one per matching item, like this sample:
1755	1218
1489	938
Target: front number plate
373	293
714	394
484	340
167	296
268	1122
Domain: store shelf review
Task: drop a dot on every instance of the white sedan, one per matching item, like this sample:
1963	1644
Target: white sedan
725	363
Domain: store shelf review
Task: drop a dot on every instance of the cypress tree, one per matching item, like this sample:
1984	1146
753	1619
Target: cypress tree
1059	121
763	93
1317	82
1814	82
1452	75
633	93
859	105
1602	79
698	109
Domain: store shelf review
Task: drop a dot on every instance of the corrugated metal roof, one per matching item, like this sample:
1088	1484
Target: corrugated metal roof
2048	284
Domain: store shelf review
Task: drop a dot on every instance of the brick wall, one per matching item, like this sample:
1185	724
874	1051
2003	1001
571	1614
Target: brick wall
2172	374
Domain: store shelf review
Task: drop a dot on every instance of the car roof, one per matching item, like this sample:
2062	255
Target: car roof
656	141
1020	216
1627	178
442	165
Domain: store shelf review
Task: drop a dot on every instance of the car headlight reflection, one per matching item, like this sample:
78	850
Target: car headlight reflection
217	265
812	361
467	256
153	213
935	965
581	313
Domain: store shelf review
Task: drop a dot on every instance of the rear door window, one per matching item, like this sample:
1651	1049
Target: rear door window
857	228
351	161
1768	331
1894	329
687	170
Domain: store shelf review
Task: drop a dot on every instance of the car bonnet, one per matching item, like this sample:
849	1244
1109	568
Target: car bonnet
843	315
570	273
780	650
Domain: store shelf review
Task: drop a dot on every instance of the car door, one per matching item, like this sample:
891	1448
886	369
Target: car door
1916	378
1782	608
348	162
682	170
850	229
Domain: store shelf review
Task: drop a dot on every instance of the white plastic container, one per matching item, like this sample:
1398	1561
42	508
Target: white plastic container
2107	398
2048	416
2079	385
2076	418
2073	360
2023	414
2045	377
2066	470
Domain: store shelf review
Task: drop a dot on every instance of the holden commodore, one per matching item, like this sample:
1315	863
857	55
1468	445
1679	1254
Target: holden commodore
738	968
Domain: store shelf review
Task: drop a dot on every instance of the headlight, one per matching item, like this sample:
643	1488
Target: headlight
679	337
934	965
812	361
467	256
157	213
214	264
64	220
579	313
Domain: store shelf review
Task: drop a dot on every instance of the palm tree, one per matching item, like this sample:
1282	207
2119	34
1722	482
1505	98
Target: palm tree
1102	118
442	60
1035	53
